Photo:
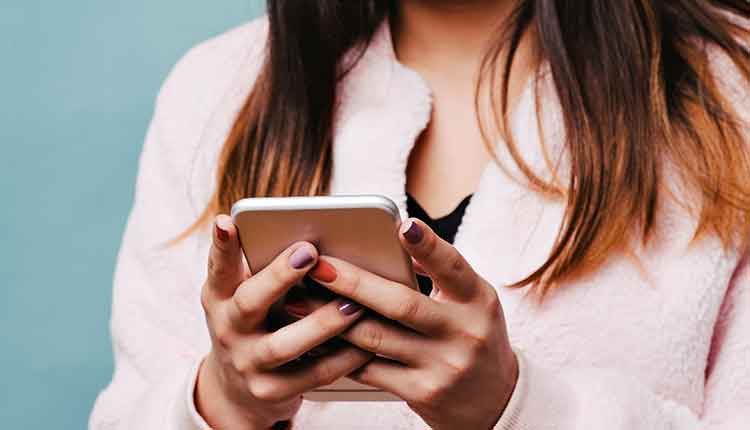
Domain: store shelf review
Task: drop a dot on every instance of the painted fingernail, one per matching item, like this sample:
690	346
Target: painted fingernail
301	257
348	307
222	234
323	272
413	233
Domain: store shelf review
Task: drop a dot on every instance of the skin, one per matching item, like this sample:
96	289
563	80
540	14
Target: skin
242	383
445	41
448	355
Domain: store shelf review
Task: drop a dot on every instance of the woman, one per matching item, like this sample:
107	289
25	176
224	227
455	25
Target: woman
599	277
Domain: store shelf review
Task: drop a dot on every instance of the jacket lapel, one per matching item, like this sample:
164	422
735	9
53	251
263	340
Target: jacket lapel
386	106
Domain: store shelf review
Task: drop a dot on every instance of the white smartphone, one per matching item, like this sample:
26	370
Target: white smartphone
361	229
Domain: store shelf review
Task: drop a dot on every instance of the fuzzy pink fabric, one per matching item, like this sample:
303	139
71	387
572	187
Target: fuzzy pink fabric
660	344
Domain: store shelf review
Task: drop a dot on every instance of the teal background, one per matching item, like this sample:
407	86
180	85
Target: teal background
78	81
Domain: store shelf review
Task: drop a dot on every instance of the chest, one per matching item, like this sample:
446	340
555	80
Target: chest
446	161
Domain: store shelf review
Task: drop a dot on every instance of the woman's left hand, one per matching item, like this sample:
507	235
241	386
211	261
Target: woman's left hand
446	355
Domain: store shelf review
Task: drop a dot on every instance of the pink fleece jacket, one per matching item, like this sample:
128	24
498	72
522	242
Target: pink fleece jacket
663	343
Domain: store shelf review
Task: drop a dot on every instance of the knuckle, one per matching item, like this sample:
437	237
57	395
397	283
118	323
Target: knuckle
430	245
493	306
324	324
407	310
430	391
223	336
265	390
351	283
324	374
243	302
372	338
453	266
456	263
477	341
460	366
241	363
217	270
281	273
268	353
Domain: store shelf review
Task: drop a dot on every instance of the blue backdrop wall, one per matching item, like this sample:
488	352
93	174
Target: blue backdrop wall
77	81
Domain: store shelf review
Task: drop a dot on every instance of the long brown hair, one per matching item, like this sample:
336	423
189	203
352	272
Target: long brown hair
635	89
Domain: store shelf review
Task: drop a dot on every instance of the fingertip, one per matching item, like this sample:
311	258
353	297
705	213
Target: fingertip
226	265
224	231
224	222
349	307
405	224
308	245
412	231
324	272
303	254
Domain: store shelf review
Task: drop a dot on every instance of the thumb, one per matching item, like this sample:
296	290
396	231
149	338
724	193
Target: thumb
439	259
226	266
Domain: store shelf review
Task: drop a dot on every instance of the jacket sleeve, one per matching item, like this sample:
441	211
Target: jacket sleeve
157	325
590	398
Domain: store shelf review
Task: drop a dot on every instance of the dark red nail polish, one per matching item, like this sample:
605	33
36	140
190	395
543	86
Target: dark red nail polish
348	307
223	235
414	234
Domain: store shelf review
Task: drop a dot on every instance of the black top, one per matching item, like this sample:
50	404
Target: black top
446	227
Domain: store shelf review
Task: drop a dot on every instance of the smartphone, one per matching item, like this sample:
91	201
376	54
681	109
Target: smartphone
361	229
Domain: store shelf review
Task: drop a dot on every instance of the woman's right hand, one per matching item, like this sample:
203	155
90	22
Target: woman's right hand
242	382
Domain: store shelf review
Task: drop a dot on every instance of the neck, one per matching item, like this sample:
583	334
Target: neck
447	35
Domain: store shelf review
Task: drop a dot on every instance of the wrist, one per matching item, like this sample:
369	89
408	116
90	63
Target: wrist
509	384
512	378
219	406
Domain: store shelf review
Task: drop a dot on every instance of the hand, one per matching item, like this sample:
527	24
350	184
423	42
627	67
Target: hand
245	382
447	355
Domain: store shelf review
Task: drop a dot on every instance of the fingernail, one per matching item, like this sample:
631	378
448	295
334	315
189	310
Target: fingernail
222	234
323	272
413	234
301	257
348	307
